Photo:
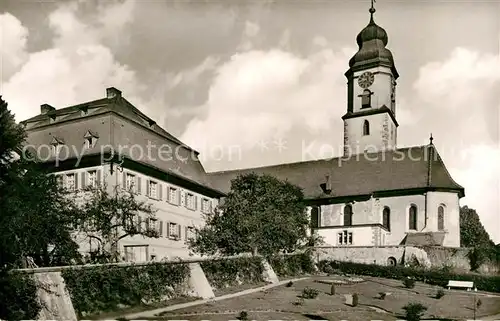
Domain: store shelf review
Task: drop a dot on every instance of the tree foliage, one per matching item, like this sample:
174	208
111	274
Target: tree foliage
474	235
107	215
261	214
36	217
472	232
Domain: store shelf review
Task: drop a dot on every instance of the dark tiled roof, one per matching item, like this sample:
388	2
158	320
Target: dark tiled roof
424	239
402	169
82	118
118	105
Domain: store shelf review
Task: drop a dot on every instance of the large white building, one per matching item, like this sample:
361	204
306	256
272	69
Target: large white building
374	195
88	139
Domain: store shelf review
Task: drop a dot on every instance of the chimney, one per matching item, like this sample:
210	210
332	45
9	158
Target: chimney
112	92
326	186
45	108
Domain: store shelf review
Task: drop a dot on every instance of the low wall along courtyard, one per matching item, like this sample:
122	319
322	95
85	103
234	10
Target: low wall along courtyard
73	292
456	259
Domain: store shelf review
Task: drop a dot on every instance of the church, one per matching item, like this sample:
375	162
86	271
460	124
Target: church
374	195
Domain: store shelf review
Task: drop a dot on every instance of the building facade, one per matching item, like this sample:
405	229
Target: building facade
375	194
110	142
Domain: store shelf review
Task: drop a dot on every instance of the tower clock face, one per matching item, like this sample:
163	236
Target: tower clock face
366	80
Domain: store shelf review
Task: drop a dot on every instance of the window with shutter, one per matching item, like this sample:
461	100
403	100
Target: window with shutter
173	197
173	230
70	181
92	178
152	189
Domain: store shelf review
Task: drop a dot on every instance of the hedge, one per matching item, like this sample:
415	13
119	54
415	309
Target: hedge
108	288
432	276
18	297
224	273
292	265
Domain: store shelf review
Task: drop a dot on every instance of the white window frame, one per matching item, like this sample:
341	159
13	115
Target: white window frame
193	203
345	238
175	194
191	233
90	182
130	183
66	178
150	190
172	226
205	205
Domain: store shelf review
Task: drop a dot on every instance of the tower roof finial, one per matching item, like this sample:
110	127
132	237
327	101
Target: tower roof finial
372	11
431	139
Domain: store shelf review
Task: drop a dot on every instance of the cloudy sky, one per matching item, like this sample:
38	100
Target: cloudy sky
250	83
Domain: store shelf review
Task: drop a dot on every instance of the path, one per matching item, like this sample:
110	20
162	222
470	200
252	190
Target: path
153	313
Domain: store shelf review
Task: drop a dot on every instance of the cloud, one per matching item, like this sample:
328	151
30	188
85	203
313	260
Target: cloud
13	40
260	95
460	94
78	66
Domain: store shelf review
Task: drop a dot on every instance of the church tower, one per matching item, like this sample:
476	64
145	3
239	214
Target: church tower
370	122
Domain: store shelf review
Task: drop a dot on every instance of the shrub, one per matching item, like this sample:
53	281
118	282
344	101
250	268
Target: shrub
105	288
292	265
332	289
18	297
409	282
439	294
299	301
309	293
414	311
438	277
289	284
479	303
223	273
243	315
382	295
355	299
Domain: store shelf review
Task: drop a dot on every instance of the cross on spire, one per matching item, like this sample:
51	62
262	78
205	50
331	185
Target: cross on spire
372	10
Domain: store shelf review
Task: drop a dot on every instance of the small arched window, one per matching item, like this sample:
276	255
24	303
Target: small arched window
366	99
441	218
366	128
412	215
386	218
348	215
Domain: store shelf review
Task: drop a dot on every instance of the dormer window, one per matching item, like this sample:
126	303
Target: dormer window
366	99
57	145
90	139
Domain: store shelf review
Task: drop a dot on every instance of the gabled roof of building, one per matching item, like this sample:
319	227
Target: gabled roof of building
363	174
116	104
188	167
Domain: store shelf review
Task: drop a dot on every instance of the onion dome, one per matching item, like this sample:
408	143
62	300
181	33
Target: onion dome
372	51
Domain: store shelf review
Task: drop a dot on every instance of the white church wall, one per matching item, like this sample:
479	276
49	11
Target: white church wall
450	202
361	235
333	214
400	206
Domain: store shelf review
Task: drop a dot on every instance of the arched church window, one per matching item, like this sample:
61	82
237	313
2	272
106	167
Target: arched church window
366	99
386	218
315	215
412	218
348	215
366	128
441	218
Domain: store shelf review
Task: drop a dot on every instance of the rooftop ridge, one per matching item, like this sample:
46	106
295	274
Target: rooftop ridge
316	160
